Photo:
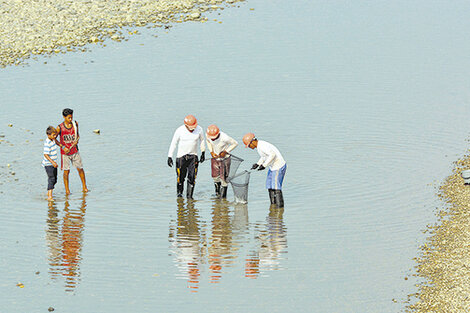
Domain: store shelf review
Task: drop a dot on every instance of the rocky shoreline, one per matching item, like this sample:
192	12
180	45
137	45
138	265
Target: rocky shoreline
444	261
38	27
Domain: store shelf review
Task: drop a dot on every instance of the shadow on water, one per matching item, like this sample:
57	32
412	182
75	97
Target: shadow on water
213	247
64	240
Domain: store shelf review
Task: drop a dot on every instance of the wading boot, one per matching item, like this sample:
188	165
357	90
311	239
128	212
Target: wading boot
179	190
223	192
217	189
279	198
272	196
189	191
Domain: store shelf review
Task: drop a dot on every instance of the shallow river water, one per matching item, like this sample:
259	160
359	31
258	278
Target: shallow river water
367	102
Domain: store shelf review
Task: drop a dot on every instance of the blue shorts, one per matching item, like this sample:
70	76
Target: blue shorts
275	178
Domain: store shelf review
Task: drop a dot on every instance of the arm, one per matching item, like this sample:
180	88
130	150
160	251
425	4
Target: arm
203	146
269	159
47	150
50	160
173	144
75	123
233	145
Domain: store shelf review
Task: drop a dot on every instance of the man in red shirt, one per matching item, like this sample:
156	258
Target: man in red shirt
68	134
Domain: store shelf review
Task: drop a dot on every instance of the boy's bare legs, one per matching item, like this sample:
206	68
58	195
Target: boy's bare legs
49	195
81	173
66	182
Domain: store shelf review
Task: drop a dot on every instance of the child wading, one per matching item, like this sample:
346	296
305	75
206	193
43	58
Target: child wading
220	145
69	136
50	160
187	137
270	156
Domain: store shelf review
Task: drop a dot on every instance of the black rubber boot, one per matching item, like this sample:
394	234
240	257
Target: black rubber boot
272	196
223	192
279	198
179	190
217	189
189	191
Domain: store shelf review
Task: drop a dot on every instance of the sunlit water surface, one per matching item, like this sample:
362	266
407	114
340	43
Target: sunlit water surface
368	103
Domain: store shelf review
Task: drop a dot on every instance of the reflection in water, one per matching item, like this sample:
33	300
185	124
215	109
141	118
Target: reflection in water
222	245
65	243
271	243
187	242
218	244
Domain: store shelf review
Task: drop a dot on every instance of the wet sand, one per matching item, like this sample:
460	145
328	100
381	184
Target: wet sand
39	27
444	261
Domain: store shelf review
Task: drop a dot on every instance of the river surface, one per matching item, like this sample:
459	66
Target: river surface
368	102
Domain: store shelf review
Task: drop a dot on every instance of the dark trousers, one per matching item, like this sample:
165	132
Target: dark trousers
187	165
51	172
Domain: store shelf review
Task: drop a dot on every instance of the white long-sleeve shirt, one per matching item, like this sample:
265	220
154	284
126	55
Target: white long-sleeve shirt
224	142
187	141
270	156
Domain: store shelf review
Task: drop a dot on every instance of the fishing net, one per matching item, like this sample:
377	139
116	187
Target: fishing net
234	164
239	184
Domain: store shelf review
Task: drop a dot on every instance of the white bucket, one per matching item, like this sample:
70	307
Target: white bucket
466	176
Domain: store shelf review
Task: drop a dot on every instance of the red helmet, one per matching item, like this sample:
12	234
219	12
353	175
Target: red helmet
248	138
212	131
190	121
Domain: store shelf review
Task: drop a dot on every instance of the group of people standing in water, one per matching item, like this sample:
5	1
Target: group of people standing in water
187	137
190	135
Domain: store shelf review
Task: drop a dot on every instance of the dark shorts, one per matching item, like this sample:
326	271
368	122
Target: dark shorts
187	166
51	172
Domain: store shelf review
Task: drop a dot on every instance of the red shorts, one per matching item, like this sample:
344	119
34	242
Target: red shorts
221	168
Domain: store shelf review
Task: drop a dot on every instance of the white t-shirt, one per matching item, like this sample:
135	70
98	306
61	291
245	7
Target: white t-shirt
187	141
224	142
270	156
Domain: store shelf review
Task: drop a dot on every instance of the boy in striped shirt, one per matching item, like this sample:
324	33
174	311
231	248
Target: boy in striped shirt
50	159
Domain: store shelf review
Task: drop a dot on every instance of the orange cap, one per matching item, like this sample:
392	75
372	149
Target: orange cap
248	138
212	131
190	121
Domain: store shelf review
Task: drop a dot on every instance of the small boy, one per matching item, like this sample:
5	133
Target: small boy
50	160
69	136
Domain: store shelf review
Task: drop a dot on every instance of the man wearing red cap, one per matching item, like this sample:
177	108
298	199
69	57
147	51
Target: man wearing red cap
272	158
187	137
220	145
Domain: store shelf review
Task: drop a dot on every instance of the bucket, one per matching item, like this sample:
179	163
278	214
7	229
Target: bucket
466	176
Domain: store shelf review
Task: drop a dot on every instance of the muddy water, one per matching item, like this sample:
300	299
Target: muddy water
368	103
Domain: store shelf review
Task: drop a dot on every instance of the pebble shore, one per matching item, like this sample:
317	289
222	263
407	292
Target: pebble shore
37	27
444	262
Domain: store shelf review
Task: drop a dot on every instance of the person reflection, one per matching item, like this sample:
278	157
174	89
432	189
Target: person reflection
72	238
272	243
186	241
65	242
220	243
53	239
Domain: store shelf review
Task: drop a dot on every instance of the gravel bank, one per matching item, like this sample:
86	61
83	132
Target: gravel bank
32	27
444	262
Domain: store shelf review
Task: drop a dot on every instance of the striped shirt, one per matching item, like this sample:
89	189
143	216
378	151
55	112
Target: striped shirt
50	148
